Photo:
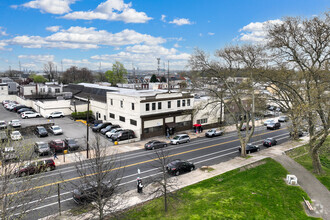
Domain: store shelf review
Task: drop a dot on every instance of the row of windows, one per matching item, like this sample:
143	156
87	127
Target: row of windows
169	104
123	119
122	104
202	121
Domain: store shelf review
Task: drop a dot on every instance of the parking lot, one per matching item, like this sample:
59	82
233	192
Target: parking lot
71	129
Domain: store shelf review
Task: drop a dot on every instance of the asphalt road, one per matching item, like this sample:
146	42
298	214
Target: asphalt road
200	151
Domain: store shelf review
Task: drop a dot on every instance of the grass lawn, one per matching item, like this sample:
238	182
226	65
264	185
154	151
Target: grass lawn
302	156
256	193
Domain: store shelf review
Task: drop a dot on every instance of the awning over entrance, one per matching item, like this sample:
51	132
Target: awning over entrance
170	125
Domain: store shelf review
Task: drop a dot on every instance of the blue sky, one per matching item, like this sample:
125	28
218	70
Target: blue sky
86	33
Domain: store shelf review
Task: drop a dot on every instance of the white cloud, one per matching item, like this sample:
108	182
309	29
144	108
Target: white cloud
256	31
3	32
176	45
3	45
144	56
53	28
163	18
200	34
37	58
210	33
111	10
84	38
181	21
49	6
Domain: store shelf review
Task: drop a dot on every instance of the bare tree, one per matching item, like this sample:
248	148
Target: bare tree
99	178
163	183
229	82
302	45
49	68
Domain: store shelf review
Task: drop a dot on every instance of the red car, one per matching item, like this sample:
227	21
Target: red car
57	145
36	167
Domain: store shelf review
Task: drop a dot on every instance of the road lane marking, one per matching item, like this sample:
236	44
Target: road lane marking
130	165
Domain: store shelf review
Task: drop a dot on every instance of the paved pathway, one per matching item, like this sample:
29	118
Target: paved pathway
318	193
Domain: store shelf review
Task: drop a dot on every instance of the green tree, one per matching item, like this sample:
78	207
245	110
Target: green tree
163	79
117	74
153	78
37	78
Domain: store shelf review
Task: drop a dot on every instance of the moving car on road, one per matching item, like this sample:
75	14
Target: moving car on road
41	131
57	145
36	167
268	142
213	132
243	128
269	121
42	148
274	125
55	115
180	138
56	130
250	148
89	192
15	123
176	167
15	135
30	114
154	144
71	144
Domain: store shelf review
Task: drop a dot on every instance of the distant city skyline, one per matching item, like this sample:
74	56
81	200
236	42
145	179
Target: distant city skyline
137	32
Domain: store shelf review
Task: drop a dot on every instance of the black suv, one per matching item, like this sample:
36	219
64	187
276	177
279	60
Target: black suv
98	127
123	135
41	131
274	125
71	144
176	167
88	192
269	142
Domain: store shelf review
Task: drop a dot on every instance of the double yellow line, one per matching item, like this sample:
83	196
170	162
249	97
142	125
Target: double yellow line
130	165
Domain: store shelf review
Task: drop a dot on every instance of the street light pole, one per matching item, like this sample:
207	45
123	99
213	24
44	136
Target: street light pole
87	122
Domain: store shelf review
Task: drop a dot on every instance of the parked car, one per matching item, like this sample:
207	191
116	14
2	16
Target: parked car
214	132
10	106
35	167
243	128
57	145
108	128
283	119
41	131
42	148
154	144
71	144
269	121
8	154
176	167
180	138
15	135
5	102
113	131
98	127
18	107
20	111
3	136
123	135
15	123
88	192
3	125
56	130
55	115
30	114
250	148
268	142
273	126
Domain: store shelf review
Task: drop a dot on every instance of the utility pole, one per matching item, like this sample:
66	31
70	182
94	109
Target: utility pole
20	67
158	60
168	76
87	122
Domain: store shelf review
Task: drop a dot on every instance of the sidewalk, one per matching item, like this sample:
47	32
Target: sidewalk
315	190
318	193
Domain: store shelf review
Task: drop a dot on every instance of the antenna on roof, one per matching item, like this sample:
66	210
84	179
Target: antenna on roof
168	76
158	60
